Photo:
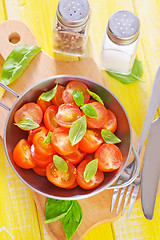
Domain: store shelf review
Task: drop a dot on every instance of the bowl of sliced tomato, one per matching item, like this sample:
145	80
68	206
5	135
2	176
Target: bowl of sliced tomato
68	137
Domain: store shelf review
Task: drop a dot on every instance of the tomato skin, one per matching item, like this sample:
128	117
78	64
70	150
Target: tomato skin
33	132
75	184
40	159
40	170
75	157
22	155
94	182
67	114
75	85
57	100
102	116
61	143
43	104
111	123
90	141
109	157
49	117
29	110
61	179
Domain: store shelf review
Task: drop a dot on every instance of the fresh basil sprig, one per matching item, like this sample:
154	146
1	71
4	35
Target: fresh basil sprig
27	124
78	98
95	96
89	110
60	163
48	138
47	96
109	137
134	76
90	170
17	61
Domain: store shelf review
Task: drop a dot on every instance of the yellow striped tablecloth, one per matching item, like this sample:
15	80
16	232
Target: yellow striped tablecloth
19	217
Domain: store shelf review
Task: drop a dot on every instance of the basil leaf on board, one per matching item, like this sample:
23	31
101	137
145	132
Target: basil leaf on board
47	96
90	170
78	98
89	110
60	163
134	76
72	220
56	209
77	130
109	137
27	124
95	96
17	61
48	138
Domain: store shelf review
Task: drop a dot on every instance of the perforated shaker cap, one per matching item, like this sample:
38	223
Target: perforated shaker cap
73	13
123	27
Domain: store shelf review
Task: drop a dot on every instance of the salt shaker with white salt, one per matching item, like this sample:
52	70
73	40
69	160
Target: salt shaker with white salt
120	42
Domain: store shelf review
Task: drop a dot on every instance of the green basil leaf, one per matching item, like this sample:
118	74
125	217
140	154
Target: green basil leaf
17	61
109	137
134	76
95	96
78	98
72	220
56	209
60	163
48	138
77	130
89	110
47	96
90	170
27	124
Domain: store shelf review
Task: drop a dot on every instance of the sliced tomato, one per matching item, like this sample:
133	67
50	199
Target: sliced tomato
111	123
33	132
22	155
40	159
97	122
40	146
94	182
57	100
40	170
43	104
49	117
61	143
61	179
75	157
75	85
90	141
29	110
67	114
75	184
109	157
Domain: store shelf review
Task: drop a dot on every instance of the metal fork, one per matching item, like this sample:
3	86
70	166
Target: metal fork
129	170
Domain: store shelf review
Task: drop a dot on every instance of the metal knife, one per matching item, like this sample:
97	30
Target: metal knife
151	170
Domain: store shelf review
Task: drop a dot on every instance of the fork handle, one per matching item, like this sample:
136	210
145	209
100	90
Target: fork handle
133	177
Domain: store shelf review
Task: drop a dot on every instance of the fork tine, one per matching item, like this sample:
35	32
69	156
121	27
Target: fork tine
133	198
115	194
126	198
120	198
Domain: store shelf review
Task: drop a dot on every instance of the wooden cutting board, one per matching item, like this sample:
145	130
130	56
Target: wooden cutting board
96	209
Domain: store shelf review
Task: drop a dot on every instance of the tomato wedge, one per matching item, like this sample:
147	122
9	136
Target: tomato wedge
57	100
40	170
90	141
75	85
33	132
111	123
22	155
43	104
49	117
94	182
67	115
61	179
40	159
109	157
61	143
29	110
75	157
102	116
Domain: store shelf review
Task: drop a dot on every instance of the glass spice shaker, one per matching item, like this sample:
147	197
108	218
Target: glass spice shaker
120	42
70	30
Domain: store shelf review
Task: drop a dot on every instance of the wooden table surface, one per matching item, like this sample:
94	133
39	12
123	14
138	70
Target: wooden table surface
19	218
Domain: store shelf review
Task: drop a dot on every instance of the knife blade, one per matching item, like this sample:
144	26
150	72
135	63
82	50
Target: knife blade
151	170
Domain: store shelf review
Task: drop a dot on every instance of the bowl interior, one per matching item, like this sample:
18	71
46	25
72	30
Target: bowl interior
40	184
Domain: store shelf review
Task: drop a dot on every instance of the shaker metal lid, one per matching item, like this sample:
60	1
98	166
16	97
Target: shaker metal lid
73	13
123	27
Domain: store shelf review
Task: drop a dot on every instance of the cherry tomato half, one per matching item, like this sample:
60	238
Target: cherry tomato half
111	123
75	85
29	110
57	100
49	117
94	182
40	170
75	157
39	158
33	132
22	155
109	157
61	143
61	179
43	104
